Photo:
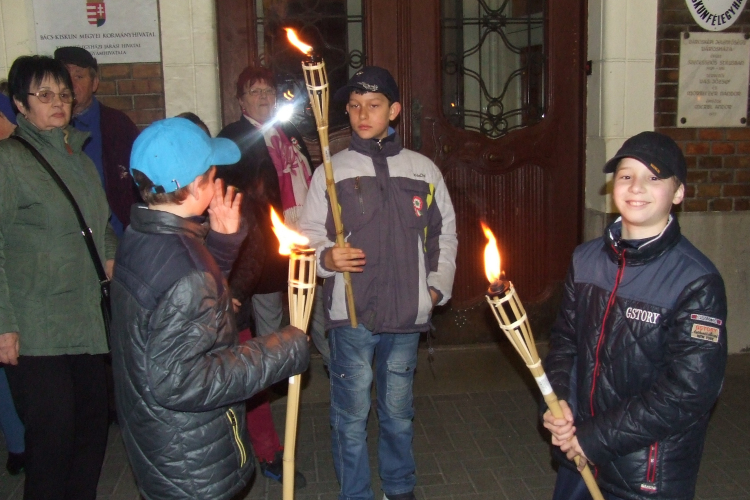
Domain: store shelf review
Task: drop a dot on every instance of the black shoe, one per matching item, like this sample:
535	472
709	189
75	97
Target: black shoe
275	470
402	496
15	463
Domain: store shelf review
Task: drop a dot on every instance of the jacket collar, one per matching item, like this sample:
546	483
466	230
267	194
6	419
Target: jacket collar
55	138
390	146
145	220
644	252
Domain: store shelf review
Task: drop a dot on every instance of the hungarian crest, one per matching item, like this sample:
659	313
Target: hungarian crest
95	12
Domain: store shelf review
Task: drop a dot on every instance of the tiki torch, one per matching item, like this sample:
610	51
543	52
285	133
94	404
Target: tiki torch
301	293
513	321
316	79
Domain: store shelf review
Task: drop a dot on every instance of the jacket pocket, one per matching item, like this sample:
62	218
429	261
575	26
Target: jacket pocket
235	433
359	202
649	485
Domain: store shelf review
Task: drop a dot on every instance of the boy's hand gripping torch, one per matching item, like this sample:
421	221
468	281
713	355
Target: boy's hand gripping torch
316	78
512	318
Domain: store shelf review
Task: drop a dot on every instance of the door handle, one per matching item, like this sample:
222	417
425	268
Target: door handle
416	125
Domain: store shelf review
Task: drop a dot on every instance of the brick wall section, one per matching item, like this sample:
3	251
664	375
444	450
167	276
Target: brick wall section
137	89
718	158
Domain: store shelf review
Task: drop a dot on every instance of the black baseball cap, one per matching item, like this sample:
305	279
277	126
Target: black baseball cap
370	79
657	151
76	55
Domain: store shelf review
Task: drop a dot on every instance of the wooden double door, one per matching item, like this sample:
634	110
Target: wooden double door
524	177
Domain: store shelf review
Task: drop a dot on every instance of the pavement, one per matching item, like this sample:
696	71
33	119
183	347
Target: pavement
477	435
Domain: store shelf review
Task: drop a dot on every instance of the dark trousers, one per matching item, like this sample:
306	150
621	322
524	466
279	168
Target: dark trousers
62	402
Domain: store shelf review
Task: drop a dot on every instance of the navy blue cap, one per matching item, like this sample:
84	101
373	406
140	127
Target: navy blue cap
657	151
76	55
173	152
370	79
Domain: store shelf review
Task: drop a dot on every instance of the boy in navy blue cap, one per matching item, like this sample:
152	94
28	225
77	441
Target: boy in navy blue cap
638	350
181	378
401	248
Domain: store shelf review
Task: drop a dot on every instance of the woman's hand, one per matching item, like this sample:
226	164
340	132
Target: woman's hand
109	268
224	210
9	345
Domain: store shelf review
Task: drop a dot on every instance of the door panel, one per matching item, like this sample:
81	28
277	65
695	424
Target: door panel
526	184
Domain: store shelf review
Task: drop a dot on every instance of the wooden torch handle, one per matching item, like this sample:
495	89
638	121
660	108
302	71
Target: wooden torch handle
335	210
290	436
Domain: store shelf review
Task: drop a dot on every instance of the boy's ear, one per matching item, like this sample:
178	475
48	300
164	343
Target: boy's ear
395	110
679	195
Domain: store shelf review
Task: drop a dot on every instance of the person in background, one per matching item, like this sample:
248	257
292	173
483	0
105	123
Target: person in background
112	134
274	171
53	337
10	425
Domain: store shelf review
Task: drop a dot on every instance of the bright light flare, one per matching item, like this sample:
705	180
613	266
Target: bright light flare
292	36
491	256
285	112
287	237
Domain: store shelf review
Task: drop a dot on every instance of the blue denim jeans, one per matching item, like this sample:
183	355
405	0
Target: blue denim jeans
351	369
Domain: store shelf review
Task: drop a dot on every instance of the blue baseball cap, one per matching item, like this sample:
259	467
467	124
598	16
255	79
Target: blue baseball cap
370	79
173	152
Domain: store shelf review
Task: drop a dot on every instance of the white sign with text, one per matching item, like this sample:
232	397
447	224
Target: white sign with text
114	31
713	80
715	15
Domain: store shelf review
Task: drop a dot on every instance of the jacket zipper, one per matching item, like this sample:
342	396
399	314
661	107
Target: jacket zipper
610	302
359	194
653	452
236	430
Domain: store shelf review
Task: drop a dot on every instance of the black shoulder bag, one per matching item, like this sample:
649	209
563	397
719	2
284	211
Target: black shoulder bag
85	231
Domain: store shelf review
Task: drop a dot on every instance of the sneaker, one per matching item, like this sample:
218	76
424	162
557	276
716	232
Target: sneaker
275	471
401	496
15	463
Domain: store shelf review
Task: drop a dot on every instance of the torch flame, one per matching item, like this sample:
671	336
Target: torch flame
292	36
491	256
287	237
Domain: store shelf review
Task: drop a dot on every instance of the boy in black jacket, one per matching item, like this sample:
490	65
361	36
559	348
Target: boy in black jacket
181	377
638	351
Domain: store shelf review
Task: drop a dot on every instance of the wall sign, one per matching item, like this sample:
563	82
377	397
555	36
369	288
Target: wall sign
713	80
715	15
114	31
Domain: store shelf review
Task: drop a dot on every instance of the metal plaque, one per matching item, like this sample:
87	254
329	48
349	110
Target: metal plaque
713	80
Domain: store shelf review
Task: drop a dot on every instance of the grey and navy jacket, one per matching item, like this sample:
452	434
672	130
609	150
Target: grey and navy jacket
396	208
181	378
639	348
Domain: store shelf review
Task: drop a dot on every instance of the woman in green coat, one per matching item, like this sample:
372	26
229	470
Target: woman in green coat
52	336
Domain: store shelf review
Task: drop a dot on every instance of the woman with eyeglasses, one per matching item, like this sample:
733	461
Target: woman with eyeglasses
274	171
52	336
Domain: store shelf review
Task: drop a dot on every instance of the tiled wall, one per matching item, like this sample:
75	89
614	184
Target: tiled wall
718	158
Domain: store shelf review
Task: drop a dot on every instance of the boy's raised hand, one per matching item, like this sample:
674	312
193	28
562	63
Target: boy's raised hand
224	209
345	259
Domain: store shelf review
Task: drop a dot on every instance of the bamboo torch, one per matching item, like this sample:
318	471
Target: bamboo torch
316	79
513	321
302	273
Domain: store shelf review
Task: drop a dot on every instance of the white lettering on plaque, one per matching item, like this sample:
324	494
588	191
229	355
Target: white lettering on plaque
713	80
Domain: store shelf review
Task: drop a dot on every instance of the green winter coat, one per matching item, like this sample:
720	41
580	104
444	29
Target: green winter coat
49	290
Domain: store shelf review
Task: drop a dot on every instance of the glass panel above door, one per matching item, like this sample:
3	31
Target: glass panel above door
493	64
334	28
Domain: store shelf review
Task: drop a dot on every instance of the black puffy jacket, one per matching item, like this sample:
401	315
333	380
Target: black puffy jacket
181	378
644	330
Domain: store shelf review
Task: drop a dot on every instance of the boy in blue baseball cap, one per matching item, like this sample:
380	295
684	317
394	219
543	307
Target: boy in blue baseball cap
181	377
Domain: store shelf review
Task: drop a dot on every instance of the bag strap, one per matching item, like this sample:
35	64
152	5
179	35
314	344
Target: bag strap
85	229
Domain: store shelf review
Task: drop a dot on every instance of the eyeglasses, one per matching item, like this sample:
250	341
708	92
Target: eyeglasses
46	96
257	92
